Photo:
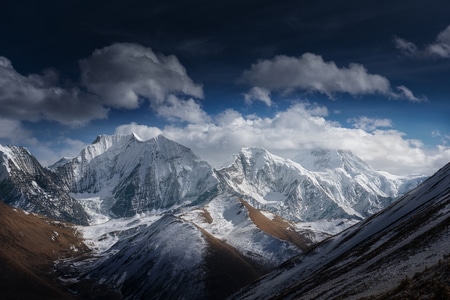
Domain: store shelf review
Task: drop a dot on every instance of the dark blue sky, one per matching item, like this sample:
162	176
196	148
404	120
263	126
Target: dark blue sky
369	76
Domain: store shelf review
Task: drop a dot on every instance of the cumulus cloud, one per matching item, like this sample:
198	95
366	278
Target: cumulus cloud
123	75
311	73
258	94
370	124
118	76
175	109
143	131
301	126
440	48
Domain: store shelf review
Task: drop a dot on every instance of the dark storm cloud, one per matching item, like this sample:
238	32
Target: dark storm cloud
38	97
118	76
121	73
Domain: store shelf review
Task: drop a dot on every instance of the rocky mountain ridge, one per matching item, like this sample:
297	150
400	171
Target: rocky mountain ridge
26	184
336	184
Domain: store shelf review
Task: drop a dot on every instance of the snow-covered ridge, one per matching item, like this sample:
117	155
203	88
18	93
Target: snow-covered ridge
335	184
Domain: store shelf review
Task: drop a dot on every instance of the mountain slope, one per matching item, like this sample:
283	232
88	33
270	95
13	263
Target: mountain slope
29	245
200	253
372	257
24	183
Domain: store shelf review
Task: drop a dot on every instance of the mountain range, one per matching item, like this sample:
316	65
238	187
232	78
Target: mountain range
400	252
165	224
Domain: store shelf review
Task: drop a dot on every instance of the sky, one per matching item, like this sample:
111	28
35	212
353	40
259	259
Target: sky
372	77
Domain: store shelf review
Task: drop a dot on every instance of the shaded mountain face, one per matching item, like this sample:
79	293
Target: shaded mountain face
334	184
155	261
206	252
29	245
24	183
127	175
380	256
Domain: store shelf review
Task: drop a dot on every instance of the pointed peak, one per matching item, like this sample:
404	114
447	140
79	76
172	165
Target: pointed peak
97	139
136	137
251	151
161	137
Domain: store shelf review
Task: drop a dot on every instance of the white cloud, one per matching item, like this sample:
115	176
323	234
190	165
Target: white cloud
50	152
440	48
175	109
445	138
143	131
299	128
406	47
408	94
436	133
370	124
311	73
258	94
12	131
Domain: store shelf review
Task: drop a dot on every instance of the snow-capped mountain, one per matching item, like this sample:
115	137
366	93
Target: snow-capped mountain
334	184
165	223
380	256
24	183
123	175
343	163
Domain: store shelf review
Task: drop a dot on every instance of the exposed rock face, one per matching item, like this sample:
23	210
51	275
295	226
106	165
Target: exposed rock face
24	183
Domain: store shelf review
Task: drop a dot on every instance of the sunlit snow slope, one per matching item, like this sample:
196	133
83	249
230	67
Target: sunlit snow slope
333	185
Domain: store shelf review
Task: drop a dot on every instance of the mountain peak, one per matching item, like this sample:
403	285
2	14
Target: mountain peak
136	137
325	159
134	175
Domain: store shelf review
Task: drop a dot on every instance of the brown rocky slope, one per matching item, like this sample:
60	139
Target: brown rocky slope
29	246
